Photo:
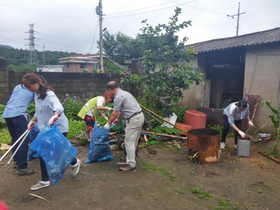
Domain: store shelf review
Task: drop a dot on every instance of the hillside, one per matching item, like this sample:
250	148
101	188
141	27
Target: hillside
19	56
6	46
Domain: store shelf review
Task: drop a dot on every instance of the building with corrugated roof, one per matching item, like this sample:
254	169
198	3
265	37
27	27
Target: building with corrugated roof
235	67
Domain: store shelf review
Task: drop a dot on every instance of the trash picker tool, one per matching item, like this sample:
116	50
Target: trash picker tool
23	139
13	145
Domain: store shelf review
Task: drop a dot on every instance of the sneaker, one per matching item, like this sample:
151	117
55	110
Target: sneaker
235	146
128	169
222	145
40	185
25	171
76	168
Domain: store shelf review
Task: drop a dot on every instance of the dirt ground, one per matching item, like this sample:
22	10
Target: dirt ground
172	182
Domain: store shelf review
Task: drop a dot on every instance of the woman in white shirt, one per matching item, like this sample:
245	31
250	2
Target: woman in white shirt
232	116
48	110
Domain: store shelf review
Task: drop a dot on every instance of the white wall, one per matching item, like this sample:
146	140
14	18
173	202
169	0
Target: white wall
262	77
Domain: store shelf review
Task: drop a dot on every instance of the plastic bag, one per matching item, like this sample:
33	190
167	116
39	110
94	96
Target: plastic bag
99	149
55	149
34	132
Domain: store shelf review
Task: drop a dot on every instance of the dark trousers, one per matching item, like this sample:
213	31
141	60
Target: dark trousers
17	126
227	127
44	172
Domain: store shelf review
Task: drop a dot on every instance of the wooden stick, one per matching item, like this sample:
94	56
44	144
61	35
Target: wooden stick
164	134
270	157
38	196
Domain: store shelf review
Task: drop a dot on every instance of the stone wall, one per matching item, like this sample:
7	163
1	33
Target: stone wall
75	84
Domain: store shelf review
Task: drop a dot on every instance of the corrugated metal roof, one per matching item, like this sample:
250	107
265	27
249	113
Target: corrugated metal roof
261	37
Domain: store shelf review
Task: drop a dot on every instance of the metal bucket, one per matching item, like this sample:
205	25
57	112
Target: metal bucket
206	142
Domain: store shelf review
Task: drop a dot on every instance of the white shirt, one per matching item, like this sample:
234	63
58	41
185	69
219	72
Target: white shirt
45	110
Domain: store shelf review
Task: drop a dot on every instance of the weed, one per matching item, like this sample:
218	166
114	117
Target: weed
75	128
145	166
201	194
2	121
223	202
219	128
179	191
72	105
83	141
275	119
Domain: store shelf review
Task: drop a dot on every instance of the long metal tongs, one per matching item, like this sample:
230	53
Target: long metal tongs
22	137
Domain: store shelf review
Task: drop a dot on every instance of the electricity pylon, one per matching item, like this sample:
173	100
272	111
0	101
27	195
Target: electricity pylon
32	58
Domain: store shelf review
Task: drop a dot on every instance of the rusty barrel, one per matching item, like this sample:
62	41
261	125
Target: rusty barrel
206	142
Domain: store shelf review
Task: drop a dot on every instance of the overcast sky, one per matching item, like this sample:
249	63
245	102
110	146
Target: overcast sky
73	25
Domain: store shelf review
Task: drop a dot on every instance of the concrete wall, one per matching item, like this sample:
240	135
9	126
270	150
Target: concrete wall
75	84
262	77
196	96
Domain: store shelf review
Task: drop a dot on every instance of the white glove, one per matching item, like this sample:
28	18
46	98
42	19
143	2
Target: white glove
242	134
251	124
52	120
109	109
106	118
31	125
106	126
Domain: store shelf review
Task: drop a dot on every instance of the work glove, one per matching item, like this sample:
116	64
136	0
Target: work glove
31	125
251	124
109	109
52	120
106	126
242	134
106	118
116	121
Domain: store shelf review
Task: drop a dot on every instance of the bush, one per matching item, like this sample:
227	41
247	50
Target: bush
72	105
75	128
2	120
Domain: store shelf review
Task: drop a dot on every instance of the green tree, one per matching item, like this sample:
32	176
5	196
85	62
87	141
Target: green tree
167	69
120	47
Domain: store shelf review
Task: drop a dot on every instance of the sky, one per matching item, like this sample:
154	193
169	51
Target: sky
73	25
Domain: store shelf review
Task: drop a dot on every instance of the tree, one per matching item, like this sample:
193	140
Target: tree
121	47
166	64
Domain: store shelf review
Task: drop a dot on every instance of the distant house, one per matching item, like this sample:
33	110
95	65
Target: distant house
237	66
80	63
50	68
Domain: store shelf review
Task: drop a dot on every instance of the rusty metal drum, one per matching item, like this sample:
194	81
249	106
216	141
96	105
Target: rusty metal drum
206	142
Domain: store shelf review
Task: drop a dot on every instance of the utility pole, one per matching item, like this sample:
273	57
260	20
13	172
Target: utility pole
44	53
100	14
32	58
238	14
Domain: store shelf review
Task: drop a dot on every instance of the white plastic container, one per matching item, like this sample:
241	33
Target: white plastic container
243	147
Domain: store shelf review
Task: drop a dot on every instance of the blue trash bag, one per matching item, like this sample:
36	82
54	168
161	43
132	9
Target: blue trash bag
55	149
99	149
34	132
